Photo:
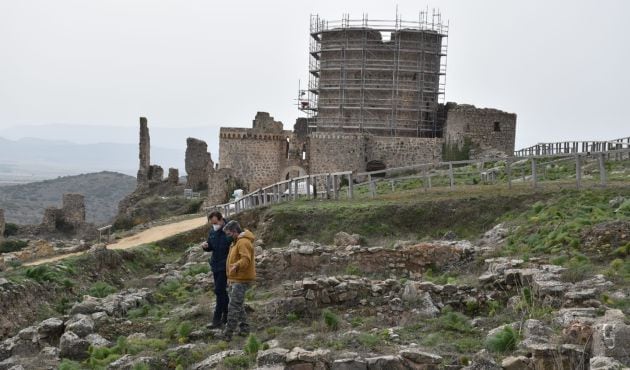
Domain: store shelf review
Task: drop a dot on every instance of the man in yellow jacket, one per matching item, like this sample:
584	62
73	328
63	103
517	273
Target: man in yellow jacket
241	274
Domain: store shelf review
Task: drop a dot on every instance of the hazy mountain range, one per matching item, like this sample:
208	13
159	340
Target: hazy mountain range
33	153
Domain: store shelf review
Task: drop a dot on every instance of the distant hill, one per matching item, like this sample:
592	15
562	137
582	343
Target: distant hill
31	159
25	204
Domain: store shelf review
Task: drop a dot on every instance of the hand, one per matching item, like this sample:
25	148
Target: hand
233	268
204	245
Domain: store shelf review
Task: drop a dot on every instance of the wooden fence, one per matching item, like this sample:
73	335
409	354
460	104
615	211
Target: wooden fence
569	147
531	170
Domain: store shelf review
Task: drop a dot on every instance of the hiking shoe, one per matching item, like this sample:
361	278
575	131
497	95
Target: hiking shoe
225	335
215	325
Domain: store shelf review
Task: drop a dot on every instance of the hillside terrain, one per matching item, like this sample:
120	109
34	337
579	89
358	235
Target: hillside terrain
25	204
482	279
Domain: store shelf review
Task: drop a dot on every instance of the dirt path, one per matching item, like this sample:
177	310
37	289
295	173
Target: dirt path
147	236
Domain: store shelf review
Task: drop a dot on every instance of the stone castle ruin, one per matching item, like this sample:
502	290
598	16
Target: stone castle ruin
69	219
375	100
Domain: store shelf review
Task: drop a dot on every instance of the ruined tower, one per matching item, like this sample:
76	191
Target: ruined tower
384	78
145	151
198	164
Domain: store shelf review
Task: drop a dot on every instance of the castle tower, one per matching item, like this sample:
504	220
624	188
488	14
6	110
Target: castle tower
380	77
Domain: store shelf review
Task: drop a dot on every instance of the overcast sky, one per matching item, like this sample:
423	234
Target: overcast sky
562	66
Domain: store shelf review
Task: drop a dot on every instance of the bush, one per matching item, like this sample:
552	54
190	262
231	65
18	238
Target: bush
236	362
198	269
330	319
101	289
42	273
578	269
183	330
252	345
10	229
12	245
503	341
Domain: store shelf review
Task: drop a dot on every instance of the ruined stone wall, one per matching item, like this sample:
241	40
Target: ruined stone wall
333	152
49	221
145	151
221	183
173	176
73	210
258	158
2	224
403	151
487	129
198	164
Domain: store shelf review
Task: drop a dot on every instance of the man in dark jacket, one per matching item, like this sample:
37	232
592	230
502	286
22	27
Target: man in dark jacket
219	244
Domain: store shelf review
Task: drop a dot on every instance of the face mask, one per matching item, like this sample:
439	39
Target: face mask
216	227
229	239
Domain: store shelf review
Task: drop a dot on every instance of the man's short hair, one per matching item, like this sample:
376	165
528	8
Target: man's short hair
216	214
233	226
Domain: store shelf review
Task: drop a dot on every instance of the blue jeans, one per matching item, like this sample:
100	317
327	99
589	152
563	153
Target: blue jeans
223	300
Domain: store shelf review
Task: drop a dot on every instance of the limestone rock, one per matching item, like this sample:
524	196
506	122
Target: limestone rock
272	356
81	325
214	360
349	364
517	363
385	363
73	347
343	239
605	363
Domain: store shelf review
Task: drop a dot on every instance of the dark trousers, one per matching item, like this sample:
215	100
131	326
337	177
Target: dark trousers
223	300
237	315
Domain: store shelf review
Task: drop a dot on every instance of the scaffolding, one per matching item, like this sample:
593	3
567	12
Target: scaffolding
381	77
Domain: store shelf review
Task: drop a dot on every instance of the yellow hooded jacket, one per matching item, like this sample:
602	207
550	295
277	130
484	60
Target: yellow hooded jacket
242	255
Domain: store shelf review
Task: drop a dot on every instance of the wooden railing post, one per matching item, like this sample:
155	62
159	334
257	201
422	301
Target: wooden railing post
602	170
308	187
534	179
296	188
450	175
335	186
508	170
578	171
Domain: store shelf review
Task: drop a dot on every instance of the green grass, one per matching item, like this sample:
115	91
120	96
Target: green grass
101	289
330	319
237	362
12	245
503	341
202	268
252	345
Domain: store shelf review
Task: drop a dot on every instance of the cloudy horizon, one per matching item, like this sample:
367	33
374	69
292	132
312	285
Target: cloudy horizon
561	67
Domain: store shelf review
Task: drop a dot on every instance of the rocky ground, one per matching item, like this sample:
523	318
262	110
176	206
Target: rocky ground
489	303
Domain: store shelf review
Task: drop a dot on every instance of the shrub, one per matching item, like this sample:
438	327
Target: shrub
12	245
454	321
252	345
503	341
101	289
369	341
236	362
578	268
292	317
42	273
183	330
10	229
330	319
198	269
69	365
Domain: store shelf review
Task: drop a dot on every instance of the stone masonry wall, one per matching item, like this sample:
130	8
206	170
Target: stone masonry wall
403	151
258	158
486	128
73	210
333	152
